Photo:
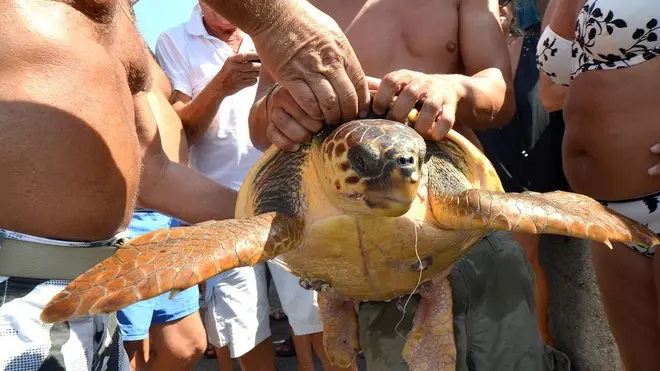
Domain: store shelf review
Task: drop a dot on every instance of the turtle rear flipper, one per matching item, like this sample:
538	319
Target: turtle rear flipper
340	329
173	260
430	344
559	212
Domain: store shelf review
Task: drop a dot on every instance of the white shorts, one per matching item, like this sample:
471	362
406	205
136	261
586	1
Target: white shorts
27	344
299	305
237	309
91	343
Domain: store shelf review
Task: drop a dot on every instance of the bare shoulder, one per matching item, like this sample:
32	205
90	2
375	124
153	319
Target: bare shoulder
73	33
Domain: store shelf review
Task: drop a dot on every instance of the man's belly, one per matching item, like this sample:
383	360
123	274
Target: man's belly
69	152
65	177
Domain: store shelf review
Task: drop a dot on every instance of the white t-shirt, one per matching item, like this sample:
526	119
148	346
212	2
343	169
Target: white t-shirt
191	58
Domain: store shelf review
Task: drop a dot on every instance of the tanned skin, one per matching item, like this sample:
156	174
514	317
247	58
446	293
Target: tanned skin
390	35
80	139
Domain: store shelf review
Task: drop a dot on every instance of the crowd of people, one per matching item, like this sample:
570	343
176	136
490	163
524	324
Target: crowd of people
103	139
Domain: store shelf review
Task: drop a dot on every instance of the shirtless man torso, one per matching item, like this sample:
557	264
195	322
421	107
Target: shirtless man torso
441	39
389	35
67	156
422	36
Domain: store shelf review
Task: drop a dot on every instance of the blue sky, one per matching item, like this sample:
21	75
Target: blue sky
155	16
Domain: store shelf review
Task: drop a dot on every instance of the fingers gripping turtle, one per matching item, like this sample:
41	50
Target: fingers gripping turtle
562	213
172	260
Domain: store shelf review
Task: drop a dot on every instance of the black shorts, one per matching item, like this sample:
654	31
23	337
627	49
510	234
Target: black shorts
495	324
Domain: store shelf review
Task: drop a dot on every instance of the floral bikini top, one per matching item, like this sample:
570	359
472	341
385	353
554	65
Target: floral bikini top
609	34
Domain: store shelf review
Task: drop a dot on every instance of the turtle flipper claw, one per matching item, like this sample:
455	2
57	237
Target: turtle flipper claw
173	260
317	285
562	213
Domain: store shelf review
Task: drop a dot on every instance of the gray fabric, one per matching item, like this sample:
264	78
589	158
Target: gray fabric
43	261
577	321
494	316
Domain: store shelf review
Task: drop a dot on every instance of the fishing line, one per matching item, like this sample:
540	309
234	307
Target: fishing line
419	282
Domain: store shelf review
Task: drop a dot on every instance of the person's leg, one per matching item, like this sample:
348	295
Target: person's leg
177	333
225	363
301	309
303	346
179	344
134	322
26	343
237	317
138	353
260	358
627	283
314	342
295	302
530	244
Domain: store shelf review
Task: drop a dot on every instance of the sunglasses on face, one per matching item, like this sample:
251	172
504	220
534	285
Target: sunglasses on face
504	3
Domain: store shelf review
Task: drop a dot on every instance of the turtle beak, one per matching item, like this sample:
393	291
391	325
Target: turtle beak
406	168
405	176
396	191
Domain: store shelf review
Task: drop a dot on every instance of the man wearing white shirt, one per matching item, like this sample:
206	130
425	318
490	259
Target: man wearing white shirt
213	68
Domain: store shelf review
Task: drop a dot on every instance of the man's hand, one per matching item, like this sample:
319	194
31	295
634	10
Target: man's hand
308	54
238	72
439	95
288	124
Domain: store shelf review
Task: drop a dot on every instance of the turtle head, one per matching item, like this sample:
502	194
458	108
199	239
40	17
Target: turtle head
372	166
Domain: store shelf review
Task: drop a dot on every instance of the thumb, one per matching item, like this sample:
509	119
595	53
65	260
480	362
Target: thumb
247	57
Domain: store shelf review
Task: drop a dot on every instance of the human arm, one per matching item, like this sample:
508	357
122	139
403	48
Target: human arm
481	98
489	100
173	188
238	72
306	52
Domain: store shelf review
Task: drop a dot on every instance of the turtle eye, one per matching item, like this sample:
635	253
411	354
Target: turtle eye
359	163
364	162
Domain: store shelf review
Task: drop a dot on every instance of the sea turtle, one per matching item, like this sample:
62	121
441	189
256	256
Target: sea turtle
367	210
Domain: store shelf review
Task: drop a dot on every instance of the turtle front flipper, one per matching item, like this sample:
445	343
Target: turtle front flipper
559	212
340	329
430	345
173	260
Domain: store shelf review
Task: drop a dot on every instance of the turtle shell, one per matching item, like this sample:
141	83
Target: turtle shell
350	244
